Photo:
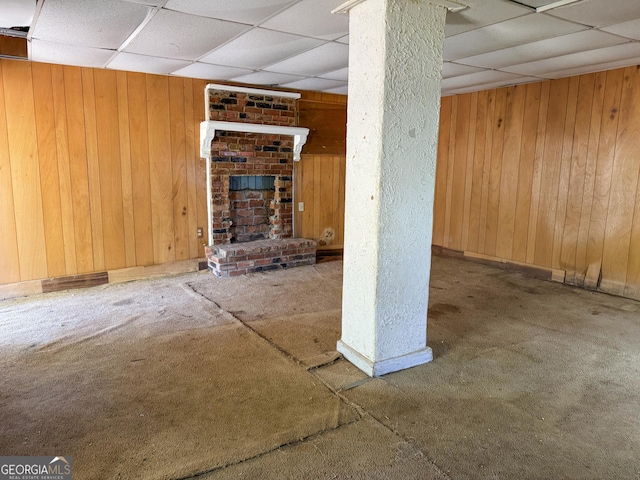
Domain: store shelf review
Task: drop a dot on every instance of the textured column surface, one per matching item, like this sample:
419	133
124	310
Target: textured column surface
395	60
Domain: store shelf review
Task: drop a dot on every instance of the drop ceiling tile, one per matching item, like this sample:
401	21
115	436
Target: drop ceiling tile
344	90
182	36
242	11
454	69
630	29
41	51
628	62
152	3
479	78
17	13
598	13
577	60
312	18
325	58
258	47
551	47
317	84
143	63
211	72
480	14
492	85
518	31
342	74
267	78
91	23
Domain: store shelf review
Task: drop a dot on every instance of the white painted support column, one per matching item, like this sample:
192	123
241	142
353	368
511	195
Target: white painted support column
395	62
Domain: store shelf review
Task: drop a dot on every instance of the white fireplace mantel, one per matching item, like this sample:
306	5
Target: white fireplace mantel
208	131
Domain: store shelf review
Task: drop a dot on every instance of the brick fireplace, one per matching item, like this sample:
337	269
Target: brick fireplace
250	140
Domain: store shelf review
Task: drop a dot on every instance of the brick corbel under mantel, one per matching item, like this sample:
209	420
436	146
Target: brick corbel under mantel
208	131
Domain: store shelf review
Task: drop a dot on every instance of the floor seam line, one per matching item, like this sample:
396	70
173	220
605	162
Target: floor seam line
261	454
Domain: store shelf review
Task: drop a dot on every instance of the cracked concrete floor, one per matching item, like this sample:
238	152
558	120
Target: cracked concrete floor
197	377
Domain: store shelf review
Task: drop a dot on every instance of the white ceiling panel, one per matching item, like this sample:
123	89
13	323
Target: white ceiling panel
312	18
152	3
17	13
489	86
340	90
594	68
629	29
212	72
319	84
479	78
258	47
144	63
91	23
325	58
599	13
454	70
577	60
41	51
242	11
267	78
551	47
182	36
518	31
342	74
480	14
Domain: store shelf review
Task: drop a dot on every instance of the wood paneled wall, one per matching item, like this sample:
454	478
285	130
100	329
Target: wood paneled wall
546	174
319	182
99	170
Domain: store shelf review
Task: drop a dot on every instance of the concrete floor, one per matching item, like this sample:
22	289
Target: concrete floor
197	377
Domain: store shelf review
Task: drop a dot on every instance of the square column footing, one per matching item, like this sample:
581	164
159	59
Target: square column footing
389	365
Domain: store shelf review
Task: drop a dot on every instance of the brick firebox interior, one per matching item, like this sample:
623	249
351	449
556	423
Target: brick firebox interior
252	228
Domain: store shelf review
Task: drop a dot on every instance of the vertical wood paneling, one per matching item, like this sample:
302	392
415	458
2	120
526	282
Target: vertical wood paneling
49	183
514	115
179	168
93	168
25	170
441	172
191	153
602	187
555	180
75	171
161	174
458	170
125	166
478	165
78	169
140	169
495	172
624	176
320	185
64	169
110	168
554	140
525	171
576	189
9	264
590	178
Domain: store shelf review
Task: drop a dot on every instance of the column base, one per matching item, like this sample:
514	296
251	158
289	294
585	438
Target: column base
389	365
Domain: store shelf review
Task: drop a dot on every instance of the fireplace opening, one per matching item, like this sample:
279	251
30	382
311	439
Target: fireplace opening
250	198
